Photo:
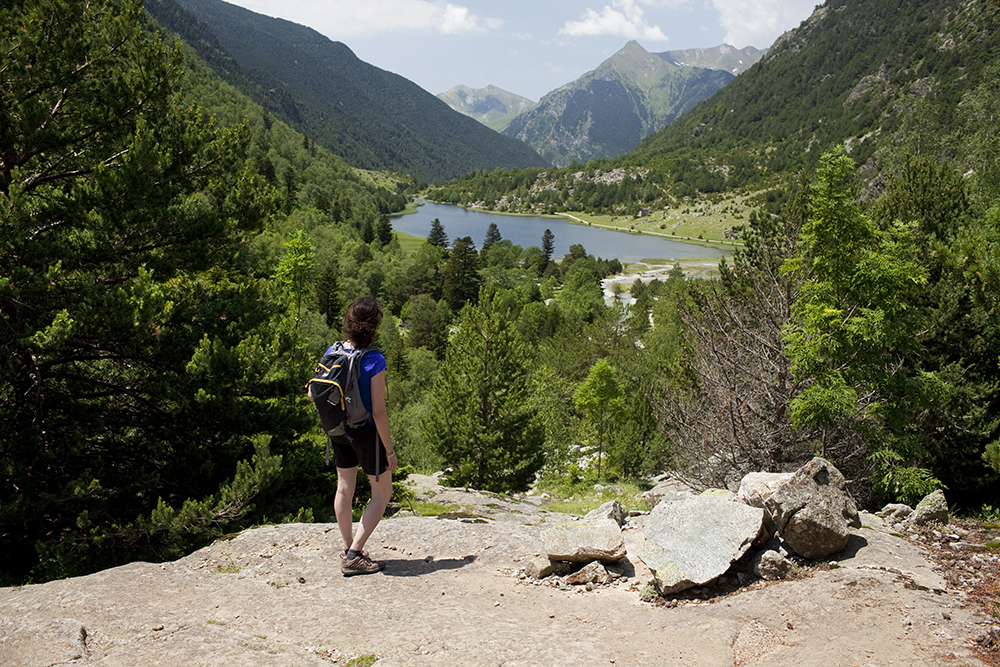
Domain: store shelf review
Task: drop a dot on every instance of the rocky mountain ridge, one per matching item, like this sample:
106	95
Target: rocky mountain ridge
724	57
609	110
492	106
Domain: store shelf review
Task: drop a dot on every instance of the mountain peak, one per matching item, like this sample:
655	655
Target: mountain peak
491	106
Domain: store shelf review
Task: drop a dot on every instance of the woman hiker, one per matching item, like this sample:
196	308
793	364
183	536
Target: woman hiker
358	447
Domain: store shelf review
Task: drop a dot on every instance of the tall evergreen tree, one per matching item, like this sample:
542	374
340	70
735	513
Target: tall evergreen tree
492	236
126	313
437	237
481	421
383	230
460	276
548	244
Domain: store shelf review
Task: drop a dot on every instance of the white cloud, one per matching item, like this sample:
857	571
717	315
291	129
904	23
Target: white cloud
759	22
624	18
342	19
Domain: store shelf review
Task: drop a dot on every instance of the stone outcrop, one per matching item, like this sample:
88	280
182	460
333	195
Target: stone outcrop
932	509
690	541
584	541
811	511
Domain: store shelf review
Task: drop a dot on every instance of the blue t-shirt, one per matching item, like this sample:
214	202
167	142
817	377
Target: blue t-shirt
372	364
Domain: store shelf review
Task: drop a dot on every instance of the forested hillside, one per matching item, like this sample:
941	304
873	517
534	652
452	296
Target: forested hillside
855	73
372	118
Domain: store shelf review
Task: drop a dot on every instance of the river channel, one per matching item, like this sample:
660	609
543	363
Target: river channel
527	231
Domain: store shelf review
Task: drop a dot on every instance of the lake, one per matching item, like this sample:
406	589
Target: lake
527	231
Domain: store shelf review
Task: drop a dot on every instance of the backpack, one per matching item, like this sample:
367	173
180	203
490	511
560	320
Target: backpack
336	391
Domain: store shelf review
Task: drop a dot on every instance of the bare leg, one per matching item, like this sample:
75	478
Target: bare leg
381	493
346	478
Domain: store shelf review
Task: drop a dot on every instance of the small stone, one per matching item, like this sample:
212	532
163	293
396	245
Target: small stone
157	628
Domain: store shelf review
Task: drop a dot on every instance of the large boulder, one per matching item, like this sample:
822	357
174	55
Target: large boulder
756	487
932	509
692	540
811	511
585	540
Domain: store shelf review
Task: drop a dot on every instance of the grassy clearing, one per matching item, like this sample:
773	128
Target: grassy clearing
408	243
582	497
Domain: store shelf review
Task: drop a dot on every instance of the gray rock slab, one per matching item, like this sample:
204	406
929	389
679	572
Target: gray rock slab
691	541
450	595
585	540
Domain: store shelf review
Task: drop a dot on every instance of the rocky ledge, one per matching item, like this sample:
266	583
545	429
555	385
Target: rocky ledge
455	591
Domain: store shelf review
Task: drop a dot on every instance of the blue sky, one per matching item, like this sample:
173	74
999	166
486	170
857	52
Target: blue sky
528	47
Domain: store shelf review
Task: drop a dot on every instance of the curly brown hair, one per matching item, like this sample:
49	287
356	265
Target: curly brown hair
361	321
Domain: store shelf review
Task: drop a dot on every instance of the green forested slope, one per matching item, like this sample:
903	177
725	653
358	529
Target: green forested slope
853	72
372	118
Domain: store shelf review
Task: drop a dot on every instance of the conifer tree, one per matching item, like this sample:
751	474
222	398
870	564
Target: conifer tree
437	237
492	236
126	307
481	421
548	244
460	276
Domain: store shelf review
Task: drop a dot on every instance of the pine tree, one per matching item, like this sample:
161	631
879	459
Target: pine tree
437	236
481	421
548	244
460	276
383	230
492	236
126	305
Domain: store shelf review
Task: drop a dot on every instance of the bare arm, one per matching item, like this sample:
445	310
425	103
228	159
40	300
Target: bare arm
381	417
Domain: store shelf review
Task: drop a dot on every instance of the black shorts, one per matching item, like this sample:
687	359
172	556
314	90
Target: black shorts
358	447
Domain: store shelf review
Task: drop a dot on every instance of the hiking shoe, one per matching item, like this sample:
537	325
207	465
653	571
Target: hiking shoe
343	555
361	565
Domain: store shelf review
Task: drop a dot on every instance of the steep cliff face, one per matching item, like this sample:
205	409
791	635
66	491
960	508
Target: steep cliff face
609	110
